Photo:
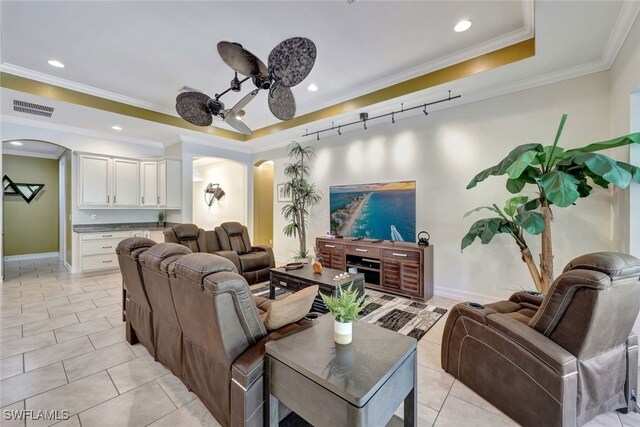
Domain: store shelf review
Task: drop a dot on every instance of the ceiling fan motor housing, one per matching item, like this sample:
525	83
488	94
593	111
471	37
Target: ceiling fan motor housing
215	106
262	82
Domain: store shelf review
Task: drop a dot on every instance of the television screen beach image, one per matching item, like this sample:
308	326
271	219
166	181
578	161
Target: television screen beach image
384	211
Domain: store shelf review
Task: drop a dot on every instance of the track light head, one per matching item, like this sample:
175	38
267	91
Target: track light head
393	118
317	136
425	111
364	122
339	133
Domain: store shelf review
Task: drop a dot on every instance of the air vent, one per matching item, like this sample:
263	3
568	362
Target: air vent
31	108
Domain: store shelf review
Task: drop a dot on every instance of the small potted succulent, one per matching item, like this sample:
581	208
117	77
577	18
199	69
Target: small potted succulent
161	218
344	308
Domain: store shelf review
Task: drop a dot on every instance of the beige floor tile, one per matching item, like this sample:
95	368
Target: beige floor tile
605	420
456	413
78	307
62	293
10	295
87	296
138	407
108	300
73	421
13	419
31	383
138	349
48	303
442	302
429	354
12	333
49	324
130	375
111	286
630	419
116	319
82	329
10	366
426	415
194	414
108	337
23	319
176	390
463	392
95	361
56	353
17	346
74	397
433	387
12	309
109	310
115	291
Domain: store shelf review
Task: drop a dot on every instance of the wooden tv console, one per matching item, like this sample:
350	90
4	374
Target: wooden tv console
397	267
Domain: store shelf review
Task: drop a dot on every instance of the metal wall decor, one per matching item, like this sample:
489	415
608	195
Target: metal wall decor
27	191
364	117
290	62
213	192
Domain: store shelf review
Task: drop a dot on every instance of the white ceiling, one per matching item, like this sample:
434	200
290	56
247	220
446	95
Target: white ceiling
143	53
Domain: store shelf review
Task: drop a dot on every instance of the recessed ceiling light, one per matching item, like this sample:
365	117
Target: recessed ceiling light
16	143
461	26
116	127
55	63
312	87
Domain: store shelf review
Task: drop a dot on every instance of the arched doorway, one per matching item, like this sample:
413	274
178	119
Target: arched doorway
40	226
263	189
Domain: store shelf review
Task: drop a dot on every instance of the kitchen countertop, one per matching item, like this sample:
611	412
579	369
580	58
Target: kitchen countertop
97	228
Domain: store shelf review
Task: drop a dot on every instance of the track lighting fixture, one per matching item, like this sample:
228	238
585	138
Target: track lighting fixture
364	117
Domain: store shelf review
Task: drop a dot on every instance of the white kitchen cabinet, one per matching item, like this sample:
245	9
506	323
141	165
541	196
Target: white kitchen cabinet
149	184
98	250
157	236
125	182
95	181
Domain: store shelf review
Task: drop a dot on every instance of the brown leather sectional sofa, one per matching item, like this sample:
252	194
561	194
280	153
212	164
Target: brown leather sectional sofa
229	240
560	360
197	316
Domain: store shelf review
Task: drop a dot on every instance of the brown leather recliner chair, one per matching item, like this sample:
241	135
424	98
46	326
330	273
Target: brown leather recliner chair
189	235
559	360
139	317
253	262
157	266
223	338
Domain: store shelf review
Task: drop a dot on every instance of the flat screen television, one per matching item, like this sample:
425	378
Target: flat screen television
385	211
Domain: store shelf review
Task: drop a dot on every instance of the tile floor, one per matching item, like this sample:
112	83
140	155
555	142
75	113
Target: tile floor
62	347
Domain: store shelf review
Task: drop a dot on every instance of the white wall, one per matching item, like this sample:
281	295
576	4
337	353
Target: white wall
443	152
232	177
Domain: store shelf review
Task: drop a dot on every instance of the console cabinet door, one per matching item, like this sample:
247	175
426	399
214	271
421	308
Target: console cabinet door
410	278
391	273
95	177
126	176
332	255
149	183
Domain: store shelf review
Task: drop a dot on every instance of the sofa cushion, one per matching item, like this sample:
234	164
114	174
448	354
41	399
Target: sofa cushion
254	261
290	309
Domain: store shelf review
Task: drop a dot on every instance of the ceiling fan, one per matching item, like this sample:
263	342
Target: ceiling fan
289	64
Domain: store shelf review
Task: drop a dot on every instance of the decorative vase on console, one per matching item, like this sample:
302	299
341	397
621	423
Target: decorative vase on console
316	265
344	308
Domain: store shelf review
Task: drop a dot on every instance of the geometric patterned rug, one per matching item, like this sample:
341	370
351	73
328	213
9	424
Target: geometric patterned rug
391	312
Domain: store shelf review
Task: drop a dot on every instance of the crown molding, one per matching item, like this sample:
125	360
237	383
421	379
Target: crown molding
79	87
13	152
229	146
626	18
78	131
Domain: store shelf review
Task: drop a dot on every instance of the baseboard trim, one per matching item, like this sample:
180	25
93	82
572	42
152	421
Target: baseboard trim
465	295
27	257
68	267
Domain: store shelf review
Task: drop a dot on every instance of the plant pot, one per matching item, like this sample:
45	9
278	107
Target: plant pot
302	260
161	224
342	332
317	267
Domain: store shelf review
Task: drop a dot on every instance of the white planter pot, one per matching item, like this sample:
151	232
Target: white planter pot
342	332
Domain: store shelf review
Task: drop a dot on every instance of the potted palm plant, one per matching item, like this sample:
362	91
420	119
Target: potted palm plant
344	308
303	194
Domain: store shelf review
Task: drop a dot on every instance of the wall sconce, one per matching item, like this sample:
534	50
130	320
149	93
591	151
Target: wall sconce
213	191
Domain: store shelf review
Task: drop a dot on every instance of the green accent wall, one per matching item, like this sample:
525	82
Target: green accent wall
31	228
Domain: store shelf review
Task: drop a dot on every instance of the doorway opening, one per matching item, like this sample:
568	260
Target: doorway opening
36	225
263	189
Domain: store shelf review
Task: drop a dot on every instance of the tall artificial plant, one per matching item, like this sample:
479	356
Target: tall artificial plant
304	194
560	178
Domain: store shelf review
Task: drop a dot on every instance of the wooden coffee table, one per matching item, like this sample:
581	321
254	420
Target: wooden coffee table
327	384
294	280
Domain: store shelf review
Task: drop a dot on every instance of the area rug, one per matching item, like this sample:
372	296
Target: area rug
391	312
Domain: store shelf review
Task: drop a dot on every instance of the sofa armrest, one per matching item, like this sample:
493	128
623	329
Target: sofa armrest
528	298
231	256
267	249
534	342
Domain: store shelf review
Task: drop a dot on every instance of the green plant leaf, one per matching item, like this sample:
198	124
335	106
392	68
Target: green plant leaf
552	151
620	141
490	229
560	188
514	186
522	162
633	170
490	208
512	204
501	168
531	205
605	167
531	221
